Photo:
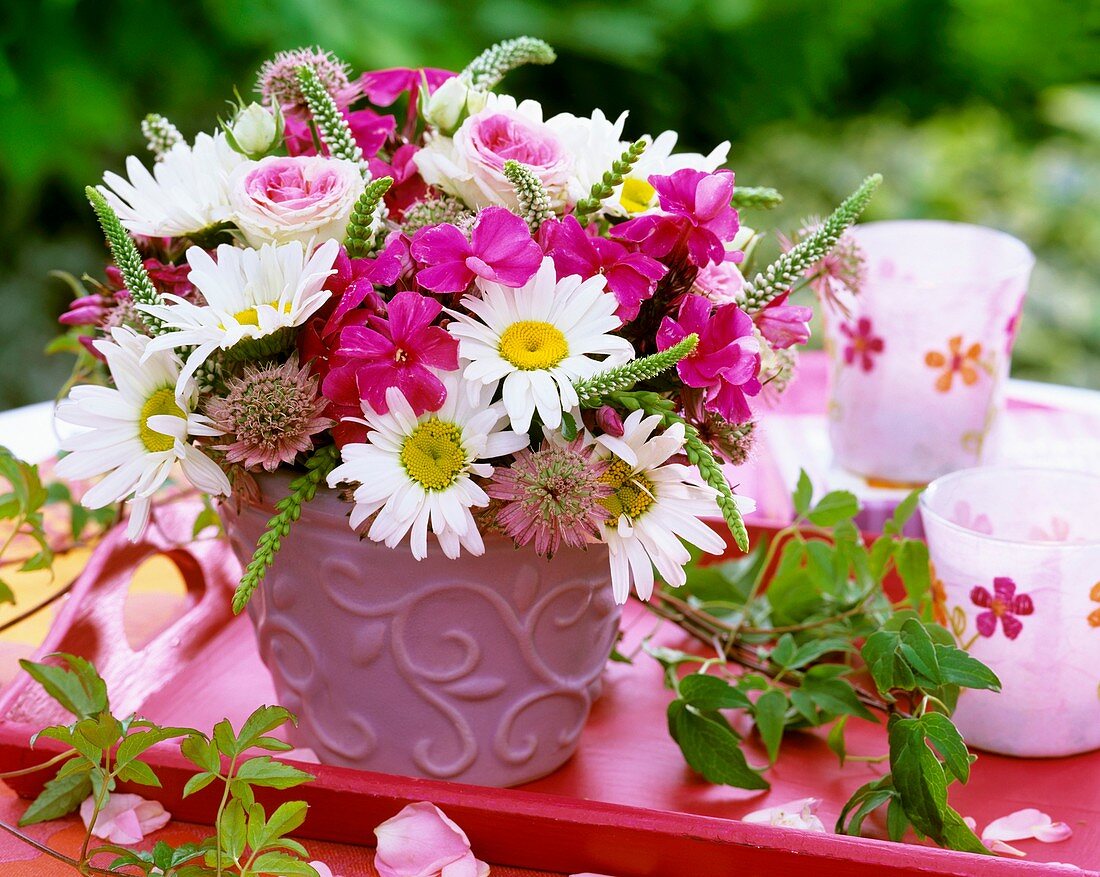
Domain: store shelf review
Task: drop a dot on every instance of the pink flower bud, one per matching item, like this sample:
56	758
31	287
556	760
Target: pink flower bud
609	421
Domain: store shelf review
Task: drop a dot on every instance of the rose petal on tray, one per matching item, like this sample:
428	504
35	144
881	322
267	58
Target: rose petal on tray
794	814
1026	824
421	841
125	819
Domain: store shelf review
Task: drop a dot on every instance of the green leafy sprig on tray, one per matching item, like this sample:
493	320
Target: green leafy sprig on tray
103	750
794	655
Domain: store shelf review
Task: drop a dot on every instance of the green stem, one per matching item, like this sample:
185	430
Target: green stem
100	800
28	770
79	867
218	816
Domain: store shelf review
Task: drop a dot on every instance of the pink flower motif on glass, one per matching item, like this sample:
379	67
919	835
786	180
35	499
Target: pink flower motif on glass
965	517
500	249
1003	604
863	344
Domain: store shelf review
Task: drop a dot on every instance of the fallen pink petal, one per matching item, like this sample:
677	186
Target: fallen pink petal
124	819
421	841
797	814
1026	824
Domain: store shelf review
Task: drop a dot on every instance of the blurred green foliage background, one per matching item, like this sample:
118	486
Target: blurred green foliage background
985	111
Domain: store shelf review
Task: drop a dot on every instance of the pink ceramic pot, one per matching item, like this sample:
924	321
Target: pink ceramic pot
480	670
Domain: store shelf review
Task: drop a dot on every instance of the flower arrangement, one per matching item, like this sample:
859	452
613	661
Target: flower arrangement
472	317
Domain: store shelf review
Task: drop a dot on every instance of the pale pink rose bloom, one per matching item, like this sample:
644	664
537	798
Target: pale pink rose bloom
125	819
322	869
300	198
421	841
794	814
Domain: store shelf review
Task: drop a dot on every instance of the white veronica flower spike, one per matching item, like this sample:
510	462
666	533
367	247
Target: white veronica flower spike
250	295
415	471
137	432
188	190
654	506
539	338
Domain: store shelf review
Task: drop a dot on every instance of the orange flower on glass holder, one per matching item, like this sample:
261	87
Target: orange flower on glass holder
1094	616
957	361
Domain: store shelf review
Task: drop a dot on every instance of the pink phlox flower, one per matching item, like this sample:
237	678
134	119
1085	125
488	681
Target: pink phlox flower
124	819
697	211
408	187
401	350
421	841
631	276
383	87
725	362
794	814
500	248
1003	604
784	325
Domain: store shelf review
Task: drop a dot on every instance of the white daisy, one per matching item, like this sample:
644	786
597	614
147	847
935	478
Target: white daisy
188	190
415	471
595	143
250	295
655	504
539	338
137	432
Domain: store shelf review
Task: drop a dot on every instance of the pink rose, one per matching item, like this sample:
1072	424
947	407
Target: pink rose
470	165
125	819
301	198
421	841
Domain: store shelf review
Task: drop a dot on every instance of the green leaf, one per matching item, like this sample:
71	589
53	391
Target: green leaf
7	595
261	722
949	743
568	426
803	494
959	668
233	829
911	558
201	752
919	650
897	823
79	689
902	513
836	739
60	797
225	739
138	772
262	771
837	697
282	864
864	801
878	654
784	651
257	822
834	507
286	818
141	741
711	693
711	749
882	550
770	711
198	782
812	650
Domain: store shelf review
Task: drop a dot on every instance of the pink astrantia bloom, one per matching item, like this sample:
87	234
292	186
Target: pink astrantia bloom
725	362
421	841
697	211
401	350
863	344
784	325
631	276
124	819
500	249
1003	604
794	814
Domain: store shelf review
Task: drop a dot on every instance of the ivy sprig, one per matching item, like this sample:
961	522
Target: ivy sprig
22	506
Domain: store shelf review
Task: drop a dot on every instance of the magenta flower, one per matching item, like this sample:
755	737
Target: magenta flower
408	187
632	277
88	310
369	129
697	212
863	344
782	324
1004	604
383	87
400	350
726	361
500	249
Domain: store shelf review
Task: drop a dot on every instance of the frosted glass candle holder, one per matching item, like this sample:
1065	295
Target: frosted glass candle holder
1016	577
918	365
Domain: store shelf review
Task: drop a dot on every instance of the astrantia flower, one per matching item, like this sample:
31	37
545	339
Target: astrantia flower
304	198
500	248
137	432
412	471
269	414
840	273
632	277
251	296
551	496
402	350
278	80
187	192
726	361
653	505
539	338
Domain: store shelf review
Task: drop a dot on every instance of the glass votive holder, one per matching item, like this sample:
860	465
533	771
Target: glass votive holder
1015	553
918	364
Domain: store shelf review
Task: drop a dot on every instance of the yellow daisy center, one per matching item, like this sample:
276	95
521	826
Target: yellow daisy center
637	195
532	345
633	492
433	455
163	401
251	317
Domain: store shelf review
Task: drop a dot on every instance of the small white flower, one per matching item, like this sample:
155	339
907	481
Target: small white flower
654	506
798	814
595	144
137	432
417	471
539	339
250	294
447	104
256	130
188	190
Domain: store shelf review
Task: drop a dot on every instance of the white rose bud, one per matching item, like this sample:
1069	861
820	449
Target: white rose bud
255	130
450	103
